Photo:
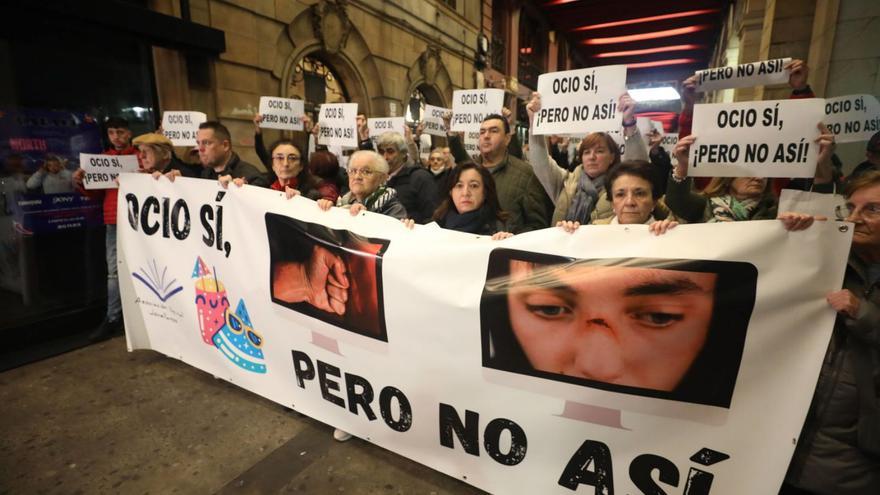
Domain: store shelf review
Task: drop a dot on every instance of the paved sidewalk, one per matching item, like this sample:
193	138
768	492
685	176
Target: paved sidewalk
102	420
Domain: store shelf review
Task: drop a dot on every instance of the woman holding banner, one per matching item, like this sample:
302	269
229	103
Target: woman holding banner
578	195
471	203
633	199
839	448
367	173
292	177
731	199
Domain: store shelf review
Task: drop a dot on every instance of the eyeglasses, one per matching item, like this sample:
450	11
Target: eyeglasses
289	158
361	171
239	327
385	151
870	211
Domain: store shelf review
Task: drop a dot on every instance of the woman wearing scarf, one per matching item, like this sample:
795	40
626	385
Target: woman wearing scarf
471	203
291	176
730	199
367	173
579	196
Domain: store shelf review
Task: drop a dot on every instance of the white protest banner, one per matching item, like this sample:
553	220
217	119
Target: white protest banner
580	101
379	126
852	118
756	139
471	143
281	113
470	106
182	127
102	169
338	124
744	76
433	120
429	360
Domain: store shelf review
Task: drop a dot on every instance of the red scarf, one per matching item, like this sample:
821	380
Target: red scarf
292	183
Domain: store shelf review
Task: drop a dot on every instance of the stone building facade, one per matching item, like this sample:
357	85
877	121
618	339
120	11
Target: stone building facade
381	52
839	40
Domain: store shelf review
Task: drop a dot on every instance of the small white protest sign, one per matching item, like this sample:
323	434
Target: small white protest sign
670	139
338	124
281	113
756	139
471	143
433	120
379	126
471	106
102	169
744	76
580	101
182	127
852	118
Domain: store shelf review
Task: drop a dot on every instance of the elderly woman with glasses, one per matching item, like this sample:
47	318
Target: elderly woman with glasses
839	448
367	173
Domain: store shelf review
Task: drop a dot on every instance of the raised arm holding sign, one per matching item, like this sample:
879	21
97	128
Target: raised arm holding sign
471	106
379	126
853	118
102	170
743	76
756	139
580	101
338	124
181	127
433	120
281	113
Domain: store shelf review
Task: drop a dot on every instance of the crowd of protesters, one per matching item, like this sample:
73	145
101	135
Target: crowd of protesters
556	184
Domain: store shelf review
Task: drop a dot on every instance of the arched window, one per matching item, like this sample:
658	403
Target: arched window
415	108
315	82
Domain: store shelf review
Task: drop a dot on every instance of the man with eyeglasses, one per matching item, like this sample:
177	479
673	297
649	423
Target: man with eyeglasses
218	160
414	185
839	447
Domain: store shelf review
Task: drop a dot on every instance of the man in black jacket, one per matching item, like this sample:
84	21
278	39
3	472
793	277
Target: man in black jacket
414	185
219	161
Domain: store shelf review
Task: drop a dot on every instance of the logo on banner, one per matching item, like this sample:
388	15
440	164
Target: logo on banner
232	334
156	281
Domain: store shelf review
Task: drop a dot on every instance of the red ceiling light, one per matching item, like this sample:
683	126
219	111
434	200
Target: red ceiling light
646	51
689	13
661	63
647	36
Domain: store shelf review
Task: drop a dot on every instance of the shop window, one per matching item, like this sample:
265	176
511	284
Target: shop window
59	85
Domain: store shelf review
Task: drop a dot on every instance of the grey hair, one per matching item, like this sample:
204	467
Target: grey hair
377	162
392	139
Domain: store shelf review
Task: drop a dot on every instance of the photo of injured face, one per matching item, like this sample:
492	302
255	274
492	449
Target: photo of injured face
661	328
332	275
